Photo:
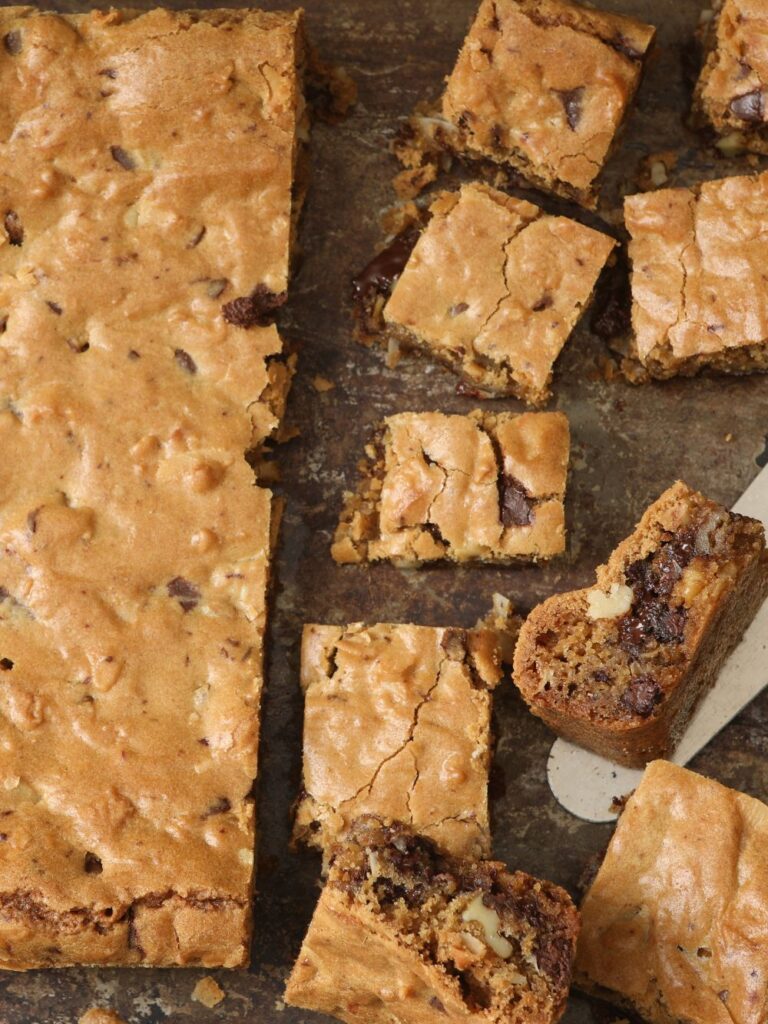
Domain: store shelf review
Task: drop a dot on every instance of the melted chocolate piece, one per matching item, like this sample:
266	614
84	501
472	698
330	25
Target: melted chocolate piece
571	100
187	593
642	695
185	360
254	310
220	806
92	864
13	227
379	277
123	157
516	506
749	107
12	42
54	307
543	303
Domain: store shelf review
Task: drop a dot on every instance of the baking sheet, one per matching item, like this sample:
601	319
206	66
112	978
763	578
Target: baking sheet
628	445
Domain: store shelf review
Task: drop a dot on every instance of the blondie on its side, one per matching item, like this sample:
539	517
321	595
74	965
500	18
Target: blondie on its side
145	223
484	487
494	287
699	294
619	667
543	86
732	90
397	722
675	924
404	933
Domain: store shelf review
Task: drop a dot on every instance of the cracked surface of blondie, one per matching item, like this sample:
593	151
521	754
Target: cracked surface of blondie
397	723
544	86
485	486
620	667
403	932
142	156
675	922
494	287
699	295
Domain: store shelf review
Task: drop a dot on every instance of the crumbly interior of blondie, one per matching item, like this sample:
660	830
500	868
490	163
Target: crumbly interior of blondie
505	940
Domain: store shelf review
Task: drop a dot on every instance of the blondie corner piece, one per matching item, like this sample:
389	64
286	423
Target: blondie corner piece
731	96
481	487
404	933
620	667
143	156
544	86
397	724
494	288
675	924
699	293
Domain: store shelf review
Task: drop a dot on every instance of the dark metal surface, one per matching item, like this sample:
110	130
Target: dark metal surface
629	444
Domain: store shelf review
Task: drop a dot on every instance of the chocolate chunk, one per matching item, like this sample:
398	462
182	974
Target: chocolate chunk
92	864
12	42
187	593
220	806
3	323
543	303
601	676
122	157
571	100
497	137
6	664
197	238
108	73
516	506
32	520
54	307
435	1003
185	360
460	307
623	45
253	310
78	345
13	227
380	275
642	695
749	107
133	355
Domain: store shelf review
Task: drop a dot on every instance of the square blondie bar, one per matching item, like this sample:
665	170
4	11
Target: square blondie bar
544	86
675	924
494	287
145	187
403	932
699	295
397	722
485	487
620	667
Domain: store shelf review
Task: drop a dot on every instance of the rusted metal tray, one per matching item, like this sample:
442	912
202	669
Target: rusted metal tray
629	444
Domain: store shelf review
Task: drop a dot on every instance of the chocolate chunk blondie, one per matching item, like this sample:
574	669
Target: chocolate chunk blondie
404	932
145	182
485	487
619	667
731	92
397	723
494	287
699	297
543	86
675	923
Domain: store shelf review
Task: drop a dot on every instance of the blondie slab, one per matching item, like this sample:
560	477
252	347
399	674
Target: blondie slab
619	667
404	933
494	288
699	295
397	724
730	96
675	925
544	86
485	486
145	182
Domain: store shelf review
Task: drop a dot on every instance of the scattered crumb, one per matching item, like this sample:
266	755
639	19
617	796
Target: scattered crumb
208	992
286	433
410	182
619	803
504	620
100	1015
279	1005
398	218
393	353
728	438
655	169
268	471
331	89
322	384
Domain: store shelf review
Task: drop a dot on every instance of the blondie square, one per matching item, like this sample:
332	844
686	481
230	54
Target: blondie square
403	932
619	667
730	96
699	295
397	723
485	486
145	185
544	86
675	924
494	288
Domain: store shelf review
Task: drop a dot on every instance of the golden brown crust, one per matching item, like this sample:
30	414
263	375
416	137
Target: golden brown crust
494	287
674	924
136	546
397	724
698	295
554	117
447	487
620	667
